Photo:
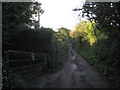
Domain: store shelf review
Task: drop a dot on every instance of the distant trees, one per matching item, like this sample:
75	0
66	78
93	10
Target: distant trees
85	30
63	34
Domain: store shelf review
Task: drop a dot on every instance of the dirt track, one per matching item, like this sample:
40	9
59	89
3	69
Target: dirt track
76	73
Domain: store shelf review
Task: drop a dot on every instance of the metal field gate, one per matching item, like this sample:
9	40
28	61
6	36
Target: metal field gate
25	64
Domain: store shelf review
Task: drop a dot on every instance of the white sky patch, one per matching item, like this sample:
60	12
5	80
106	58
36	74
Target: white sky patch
58	13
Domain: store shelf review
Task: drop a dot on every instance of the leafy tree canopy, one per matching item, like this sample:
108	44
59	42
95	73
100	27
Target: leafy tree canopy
63	34
16	16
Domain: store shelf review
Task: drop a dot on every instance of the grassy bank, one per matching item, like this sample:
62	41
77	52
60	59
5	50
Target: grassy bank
89	53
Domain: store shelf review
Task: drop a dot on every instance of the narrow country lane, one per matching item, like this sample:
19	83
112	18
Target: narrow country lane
76	73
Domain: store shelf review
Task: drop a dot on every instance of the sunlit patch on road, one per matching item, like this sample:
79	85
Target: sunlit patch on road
73	58
74	67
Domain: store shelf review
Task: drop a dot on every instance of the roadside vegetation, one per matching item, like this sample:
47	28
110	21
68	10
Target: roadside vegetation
19	36
97	39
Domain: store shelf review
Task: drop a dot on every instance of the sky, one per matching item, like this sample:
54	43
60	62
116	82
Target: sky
58	13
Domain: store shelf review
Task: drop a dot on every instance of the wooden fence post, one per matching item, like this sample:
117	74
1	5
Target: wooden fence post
45	61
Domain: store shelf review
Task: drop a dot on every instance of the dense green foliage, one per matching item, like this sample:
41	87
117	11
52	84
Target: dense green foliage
59	53
60	46
97	39
85	31
33	40
41	40
104	54
19	36
63	34
16	16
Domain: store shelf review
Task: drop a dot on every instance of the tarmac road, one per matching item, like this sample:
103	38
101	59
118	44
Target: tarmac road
76	73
